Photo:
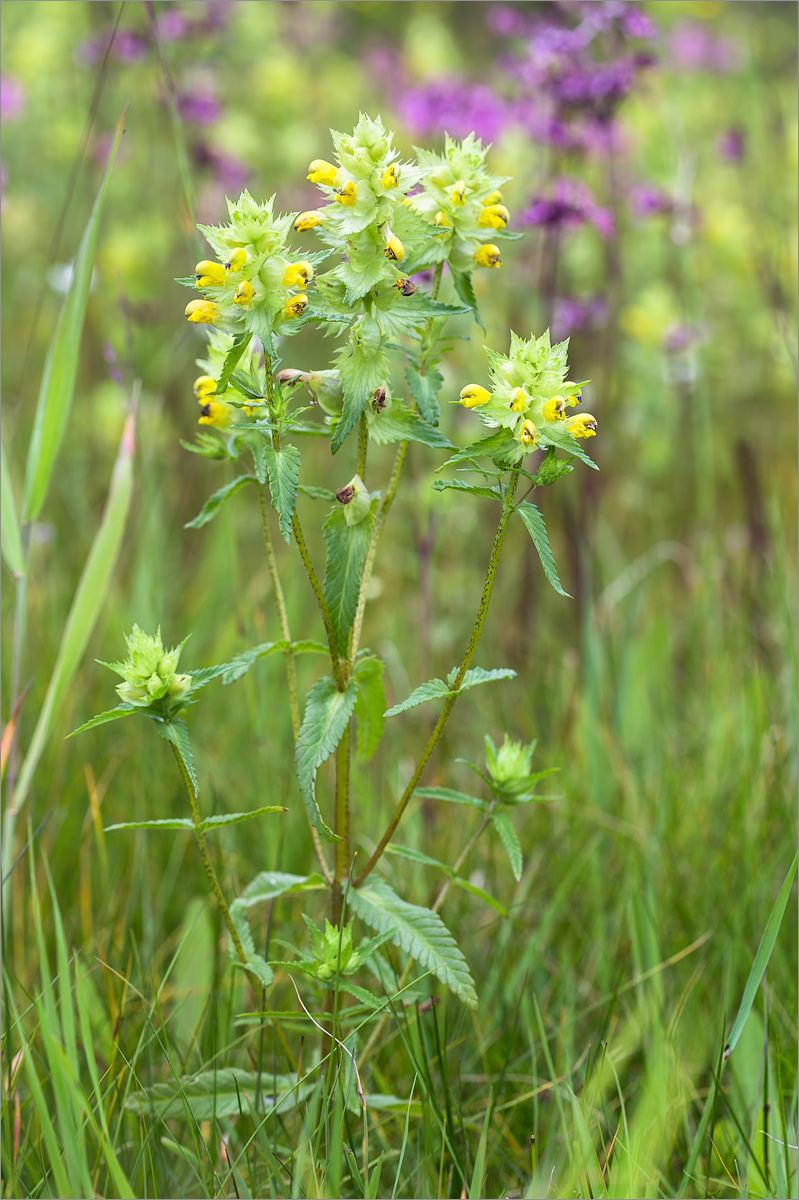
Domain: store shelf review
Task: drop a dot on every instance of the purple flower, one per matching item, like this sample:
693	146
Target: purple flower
127	46
571	314
12	98
229	172
681	337
171	24
730	146
569	205
199	105
696	49
455	107
649	201
506	21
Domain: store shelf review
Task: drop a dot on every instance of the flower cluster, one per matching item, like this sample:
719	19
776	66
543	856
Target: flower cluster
530	394
149	672
223	410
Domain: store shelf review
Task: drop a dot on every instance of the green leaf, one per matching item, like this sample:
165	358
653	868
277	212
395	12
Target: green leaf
424	389
268	885
177	733
535	526
476	675
236	818
240	665
510	841
418	856
10	537
327	714
398	424
61	363
255	961
113	714
553	434
481	894
419	932
89	597
761	959
463	286
166	823
458	485
240	343
215	502
434	689
283	468
346	550
361	371
500	446
551	469
369	706
317	493
451	797
216	1095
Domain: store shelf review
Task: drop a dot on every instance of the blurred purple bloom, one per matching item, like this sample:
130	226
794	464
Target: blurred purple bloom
649	201
127	46
12	98
681	337
171	24
696	48
571	315
112	362
229	172
730	146
506	20
569	205
199	105
455	107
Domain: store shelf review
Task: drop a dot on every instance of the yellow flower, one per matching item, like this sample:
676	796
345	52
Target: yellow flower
473	395
488	256
554	409
441	219
298	274
201	312
494	216
203	385
582	426
216	414
244	293
494	198
307	220
391	176
236	261
209	274
458	192
527	434
296	306
575	399
518	400
394	249
346	194
321	171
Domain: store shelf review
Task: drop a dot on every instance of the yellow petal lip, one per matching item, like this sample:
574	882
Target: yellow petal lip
488	256
582	425
554	409
203	385
527	434
298	274
458	192
473	395
296	306
236	260
200	312
244	293
209	274
321	171
575	399
307	220
518	400
494	216
441	219
494	198
346	194
395	251
216	414
391	176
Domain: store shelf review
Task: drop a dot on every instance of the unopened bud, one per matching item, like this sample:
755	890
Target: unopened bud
356	500
494	198
441	219
518	400
236	260
458	192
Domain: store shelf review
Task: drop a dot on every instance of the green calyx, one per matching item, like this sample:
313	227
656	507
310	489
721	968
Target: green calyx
149	673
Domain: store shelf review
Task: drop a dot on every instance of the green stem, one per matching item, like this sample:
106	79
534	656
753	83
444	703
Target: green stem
209	866
341	682
342	824
371	553
436	282
363	444
449	703
17	655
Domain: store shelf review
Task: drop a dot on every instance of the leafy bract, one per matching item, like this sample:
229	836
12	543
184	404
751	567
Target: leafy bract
177	733
534	523
424	389
398	424
240	343
552	433
370	705
215	502
283	469
362	369
510	841
451	797
346	550
327	713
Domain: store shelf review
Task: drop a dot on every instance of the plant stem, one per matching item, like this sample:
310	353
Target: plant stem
341	682
209	866
363	445
371	553
449	703
342	824
436	283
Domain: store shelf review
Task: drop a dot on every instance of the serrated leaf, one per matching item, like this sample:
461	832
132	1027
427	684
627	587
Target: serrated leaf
534	523
113	714
450	796
268	885
215	502
420	932
361	373
424	389
346	550
283	469
458	485
177	733
166	823
209	447
481	894
255	962
554	434
417	856
500	446
369	706
476	675
327	714
240	343
216	1095
434	689
240	665
316	493
237	818
398	424
259	460
510	841
463	286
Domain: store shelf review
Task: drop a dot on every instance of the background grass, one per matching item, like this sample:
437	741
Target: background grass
664	692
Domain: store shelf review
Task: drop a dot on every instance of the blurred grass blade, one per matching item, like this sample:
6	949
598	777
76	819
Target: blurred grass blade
8	733
10	537
61	363
89	598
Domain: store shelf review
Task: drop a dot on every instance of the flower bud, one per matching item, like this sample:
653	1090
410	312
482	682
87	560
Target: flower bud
473	395
441	219
307	220
325	387
554	409
494	198
406	286
391	176
509	768
214	413
321	171
527	434
201	312
346	194
298	275
394	251
518	400
209	274
290	377
356	500
458	192
149	672
488	256
236	260
244	293
204	385
495	216
296	306
581	426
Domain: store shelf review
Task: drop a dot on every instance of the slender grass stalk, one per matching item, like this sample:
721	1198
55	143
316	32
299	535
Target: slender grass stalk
449	703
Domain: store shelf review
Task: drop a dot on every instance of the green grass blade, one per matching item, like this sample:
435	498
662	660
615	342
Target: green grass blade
476	1187
10	537
61	365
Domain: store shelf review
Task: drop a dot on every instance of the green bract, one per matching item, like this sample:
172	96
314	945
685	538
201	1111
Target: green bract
149	672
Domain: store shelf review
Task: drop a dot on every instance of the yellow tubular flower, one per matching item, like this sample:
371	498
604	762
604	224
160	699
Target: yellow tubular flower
236	260
296	306
582	426
244	293
441	219
458	192
473	395
518	400
347	194
321	171
488	256
200	312
527	434
495	216
575	399
494	198
395	251
209	274
391	176
307	220
216	414
204	385
298	274
554	409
